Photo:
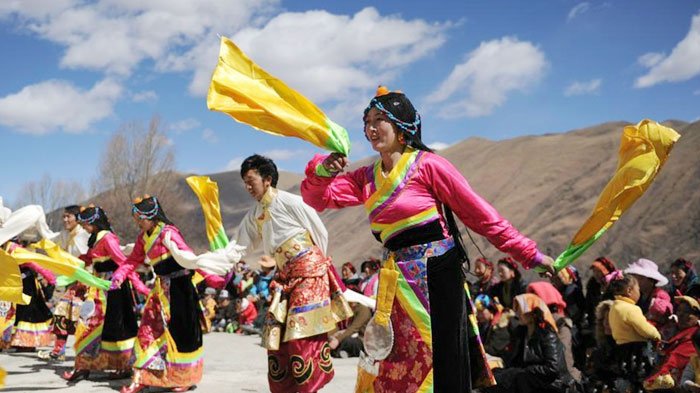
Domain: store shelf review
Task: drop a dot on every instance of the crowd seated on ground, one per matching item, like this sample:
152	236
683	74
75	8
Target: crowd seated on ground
631	330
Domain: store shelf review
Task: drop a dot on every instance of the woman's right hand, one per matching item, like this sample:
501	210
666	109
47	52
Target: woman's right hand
335	162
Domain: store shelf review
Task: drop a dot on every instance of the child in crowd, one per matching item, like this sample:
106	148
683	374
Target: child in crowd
225	313
627	322
246	315
209	305
630	329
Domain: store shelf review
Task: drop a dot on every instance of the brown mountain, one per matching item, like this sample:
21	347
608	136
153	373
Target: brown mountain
545	185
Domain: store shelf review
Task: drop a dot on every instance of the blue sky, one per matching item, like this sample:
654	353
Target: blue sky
74	71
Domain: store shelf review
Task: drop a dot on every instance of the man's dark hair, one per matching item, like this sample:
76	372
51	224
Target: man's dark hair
265	167
72	209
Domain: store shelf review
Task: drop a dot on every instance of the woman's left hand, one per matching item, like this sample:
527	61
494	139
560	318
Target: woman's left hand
547	265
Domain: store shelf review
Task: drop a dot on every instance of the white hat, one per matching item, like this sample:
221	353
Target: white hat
223	294
646	268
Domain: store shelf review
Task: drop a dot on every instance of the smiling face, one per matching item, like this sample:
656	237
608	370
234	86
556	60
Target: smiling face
381	132
255	184
677	275
69	221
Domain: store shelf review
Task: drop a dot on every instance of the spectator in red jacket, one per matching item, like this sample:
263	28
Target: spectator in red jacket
246	314
679	349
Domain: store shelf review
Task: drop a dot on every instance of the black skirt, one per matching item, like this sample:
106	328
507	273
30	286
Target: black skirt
36	311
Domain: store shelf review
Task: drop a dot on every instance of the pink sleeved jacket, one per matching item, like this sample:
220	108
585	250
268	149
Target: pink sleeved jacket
411	196
107	248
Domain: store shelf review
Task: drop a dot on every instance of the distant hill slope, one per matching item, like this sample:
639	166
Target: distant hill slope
545	185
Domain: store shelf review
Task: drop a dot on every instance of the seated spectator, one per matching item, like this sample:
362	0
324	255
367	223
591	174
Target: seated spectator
348	342
553	299
247	312
494	326
683	277
690	380
660	315
486	278
209	305
677	352
650	281
370	278
568	282
511	284
350	277
633	334
601	367
538	363
264	278
225	314
596	286
247	284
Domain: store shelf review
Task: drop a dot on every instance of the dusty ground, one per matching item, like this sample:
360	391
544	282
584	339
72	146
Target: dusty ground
232	363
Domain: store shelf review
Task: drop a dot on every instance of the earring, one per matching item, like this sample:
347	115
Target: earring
401	139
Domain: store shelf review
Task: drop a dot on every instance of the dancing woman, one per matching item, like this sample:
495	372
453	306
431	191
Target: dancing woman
168	347
104	337
409	194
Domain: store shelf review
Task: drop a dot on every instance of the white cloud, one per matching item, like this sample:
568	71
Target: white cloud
144	96
184	125
58	105
328	57
285	154
581	88
116	35
209	135
650	59
491	72
234	164
579	9
682	64
340	56
439	145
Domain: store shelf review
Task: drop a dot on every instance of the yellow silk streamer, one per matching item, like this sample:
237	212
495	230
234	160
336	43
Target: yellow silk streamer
643	150
208	193
250	95
59	266
2	377
54	251
11	280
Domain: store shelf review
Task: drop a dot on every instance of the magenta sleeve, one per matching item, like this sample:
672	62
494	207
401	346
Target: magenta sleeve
111	247
341	190
176	237
452	188
134	259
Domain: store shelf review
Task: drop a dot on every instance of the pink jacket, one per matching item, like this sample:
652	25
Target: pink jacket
431	182
107	248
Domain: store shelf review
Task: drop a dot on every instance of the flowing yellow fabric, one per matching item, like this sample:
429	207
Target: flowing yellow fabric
11	280
250	95
55	251
59	266
2	377
644	149
208	193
